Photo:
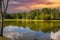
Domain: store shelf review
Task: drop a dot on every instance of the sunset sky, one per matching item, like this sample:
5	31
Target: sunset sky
27	5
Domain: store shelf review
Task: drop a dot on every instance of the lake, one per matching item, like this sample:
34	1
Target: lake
20	33
32	30
45	26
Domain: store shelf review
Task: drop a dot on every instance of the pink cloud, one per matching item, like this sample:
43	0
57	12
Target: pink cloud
24	5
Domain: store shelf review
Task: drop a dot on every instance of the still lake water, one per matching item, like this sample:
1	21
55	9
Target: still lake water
32	30
45	26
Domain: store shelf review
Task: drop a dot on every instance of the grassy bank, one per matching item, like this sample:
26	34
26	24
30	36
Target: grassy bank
4	38
29	20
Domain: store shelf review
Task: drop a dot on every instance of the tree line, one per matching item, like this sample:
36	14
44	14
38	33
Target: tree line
42	14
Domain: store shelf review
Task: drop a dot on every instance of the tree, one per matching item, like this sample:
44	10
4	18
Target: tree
24	15
8	16
20	16
30	15
0	10
15	16
3	13
56	14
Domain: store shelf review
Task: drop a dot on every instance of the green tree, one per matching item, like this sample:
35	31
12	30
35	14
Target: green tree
15	15
56	13
8	16
24	15
20	16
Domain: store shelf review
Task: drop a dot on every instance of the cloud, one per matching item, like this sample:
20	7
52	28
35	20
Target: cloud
26	5
14	2
54	0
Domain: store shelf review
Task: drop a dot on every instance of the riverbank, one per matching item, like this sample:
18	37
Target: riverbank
4	38
29	20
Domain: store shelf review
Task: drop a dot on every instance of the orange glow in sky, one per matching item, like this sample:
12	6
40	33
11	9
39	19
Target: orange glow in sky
25	5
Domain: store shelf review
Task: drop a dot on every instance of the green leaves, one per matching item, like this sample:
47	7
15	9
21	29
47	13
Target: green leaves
44	14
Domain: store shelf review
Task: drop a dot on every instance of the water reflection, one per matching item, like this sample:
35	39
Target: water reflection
45	26
55	35
20	33
32	30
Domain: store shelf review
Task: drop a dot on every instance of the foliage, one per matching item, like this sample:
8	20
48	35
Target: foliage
8	16
43	14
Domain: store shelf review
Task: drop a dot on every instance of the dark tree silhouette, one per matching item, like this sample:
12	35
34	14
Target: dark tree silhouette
1	15
4	6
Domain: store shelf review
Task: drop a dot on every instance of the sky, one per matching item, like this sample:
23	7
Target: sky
27	5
